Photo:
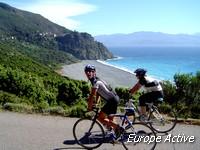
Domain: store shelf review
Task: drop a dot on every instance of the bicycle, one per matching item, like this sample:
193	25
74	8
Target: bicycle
161	123
90	133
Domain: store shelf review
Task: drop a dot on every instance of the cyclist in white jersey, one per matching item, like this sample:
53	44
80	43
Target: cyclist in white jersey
100	89
152	90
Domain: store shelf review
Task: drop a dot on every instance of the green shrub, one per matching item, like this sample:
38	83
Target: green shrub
41	106
195	111
1	108
183	111
169	90
165	108
69	93
6	97
79	109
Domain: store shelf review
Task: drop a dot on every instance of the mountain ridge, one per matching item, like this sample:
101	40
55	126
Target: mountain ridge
147	38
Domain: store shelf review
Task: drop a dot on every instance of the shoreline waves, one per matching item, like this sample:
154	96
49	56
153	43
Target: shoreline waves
162	63
121	68
127	70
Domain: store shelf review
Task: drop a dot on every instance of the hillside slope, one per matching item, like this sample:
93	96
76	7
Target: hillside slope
33	28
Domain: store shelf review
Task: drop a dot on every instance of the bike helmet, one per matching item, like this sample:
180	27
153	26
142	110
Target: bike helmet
89	67
140	72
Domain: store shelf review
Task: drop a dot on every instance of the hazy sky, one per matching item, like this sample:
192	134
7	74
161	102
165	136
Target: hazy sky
118	16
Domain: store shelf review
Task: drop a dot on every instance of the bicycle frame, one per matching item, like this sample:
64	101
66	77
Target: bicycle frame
96	110
160	124
123	118
97	137
150	106
131	129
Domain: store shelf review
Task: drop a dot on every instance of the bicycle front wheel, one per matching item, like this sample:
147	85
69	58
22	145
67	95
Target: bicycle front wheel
88	133
162	123
139	136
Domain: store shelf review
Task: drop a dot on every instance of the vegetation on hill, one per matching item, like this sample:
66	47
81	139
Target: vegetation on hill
31	48
82	46
33	28
22	23
184	95
27	85
48	57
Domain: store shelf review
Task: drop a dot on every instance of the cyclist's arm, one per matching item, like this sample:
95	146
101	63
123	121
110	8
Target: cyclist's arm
135	88
92	98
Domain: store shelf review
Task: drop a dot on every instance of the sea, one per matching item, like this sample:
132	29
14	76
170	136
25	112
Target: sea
161	62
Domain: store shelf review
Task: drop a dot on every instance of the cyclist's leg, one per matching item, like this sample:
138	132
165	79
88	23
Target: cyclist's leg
150	97
142	105
109	108
161	122
103	118
155	96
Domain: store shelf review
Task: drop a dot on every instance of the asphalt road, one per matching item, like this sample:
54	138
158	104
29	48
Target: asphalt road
37	132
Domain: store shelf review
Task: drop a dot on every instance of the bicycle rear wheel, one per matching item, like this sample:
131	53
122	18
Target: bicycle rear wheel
88	133
139	137
162	123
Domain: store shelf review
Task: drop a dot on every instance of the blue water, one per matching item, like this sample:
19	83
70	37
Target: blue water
161	62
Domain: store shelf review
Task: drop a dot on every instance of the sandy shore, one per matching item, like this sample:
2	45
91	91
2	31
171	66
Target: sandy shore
113	76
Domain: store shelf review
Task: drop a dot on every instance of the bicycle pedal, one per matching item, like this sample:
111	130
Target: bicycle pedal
114	142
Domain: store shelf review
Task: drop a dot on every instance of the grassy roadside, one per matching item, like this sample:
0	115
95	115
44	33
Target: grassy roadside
189	121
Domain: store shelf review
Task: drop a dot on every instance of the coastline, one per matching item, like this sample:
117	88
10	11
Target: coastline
114	76
127	70
123	69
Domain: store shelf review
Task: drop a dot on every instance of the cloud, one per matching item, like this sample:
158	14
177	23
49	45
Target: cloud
60	11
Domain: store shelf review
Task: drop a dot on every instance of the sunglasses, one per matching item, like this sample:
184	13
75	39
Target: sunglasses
89	71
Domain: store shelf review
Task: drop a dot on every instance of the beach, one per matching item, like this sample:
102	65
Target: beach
114	76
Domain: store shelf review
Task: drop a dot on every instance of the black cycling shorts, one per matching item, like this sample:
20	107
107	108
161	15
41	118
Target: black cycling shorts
110	106
150	97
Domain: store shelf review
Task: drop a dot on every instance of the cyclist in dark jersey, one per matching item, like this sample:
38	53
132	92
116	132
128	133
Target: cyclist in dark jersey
152	88
100	89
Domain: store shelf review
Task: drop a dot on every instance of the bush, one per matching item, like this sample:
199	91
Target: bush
165	108
169	91
69	93
79	109
6	97
195	109
1	108
123	94
41	106
184	94
183	111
